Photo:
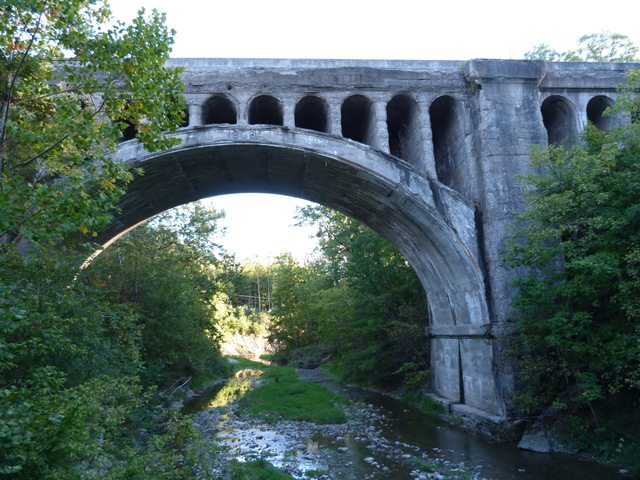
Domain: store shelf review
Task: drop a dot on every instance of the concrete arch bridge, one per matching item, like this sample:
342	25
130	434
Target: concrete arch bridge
426	153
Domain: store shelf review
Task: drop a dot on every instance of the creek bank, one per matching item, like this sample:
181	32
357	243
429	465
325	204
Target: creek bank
546	435
355	449
550	434
488	428
426	446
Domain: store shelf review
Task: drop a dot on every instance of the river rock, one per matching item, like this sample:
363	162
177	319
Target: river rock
535	441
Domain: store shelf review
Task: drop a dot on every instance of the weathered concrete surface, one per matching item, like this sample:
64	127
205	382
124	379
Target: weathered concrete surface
459	134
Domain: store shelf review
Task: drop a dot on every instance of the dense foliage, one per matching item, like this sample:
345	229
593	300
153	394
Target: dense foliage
578	309
78	370
169	271
360	302
257	470
69	84
81	355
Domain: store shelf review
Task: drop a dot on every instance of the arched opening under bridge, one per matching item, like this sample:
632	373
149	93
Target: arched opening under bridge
429	223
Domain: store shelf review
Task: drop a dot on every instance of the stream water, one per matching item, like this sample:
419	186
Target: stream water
383	439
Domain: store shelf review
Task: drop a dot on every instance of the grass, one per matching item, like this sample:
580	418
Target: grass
240	363
200	382
257	470
315	473
422	403
268	357
425	466
263	470
284	396
333	369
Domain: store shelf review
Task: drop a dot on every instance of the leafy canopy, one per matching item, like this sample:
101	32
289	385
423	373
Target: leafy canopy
74	356
70	81
596	47
169	271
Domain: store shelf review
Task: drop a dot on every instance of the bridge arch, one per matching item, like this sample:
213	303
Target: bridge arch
358	119
449	149
429	223
404	127
311	112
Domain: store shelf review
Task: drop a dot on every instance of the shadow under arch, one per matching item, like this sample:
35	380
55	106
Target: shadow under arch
429	223
559	117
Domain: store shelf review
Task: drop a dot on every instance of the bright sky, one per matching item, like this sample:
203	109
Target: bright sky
262	226
259	226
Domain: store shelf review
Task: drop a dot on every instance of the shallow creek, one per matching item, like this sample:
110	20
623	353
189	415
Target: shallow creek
383	439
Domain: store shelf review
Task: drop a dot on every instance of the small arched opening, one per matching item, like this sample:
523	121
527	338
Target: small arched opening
559	118
129	131
596	112
358	119
265	110
403	124
219	109
311	113
448	141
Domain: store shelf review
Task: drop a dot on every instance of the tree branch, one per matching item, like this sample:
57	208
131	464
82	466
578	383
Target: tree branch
55	144
7	102
21	222
76	89
41	154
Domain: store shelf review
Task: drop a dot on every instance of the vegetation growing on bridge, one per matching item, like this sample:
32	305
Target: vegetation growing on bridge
578	322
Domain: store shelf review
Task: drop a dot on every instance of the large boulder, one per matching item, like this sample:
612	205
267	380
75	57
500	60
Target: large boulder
536	441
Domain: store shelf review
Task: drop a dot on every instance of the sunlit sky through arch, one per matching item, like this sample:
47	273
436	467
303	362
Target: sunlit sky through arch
261	226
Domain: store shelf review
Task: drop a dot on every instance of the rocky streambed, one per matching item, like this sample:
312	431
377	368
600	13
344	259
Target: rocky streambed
355	449
382	439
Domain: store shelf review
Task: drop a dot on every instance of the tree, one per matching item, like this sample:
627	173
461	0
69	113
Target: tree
542	51
71	357
360	301
71	369
167	271
384	342
69	84
578	309
596	47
